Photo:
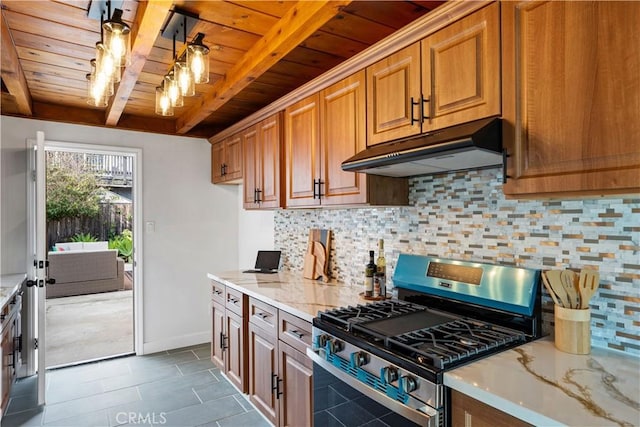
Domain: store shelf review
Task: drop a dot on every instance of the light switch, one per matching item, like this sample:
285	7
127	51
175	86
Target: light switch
150	226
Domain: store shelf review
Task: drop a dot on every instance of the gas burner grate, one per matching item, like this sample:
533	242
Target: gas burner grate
348	316
446	344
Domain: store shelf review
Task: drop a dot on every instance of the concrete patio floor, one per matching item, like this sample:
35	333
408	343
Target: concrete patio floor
87	327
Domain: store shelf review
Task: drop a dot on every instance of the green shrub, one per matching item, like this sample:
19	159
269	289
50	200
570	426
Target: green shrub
84	237
124	244
71	192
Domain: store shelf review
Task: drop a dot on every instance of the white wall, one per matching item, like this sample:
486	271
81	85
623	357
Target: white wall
196	223
255	232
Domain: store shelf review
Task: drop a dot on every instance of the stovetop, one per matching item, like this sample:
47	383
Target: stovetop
433	339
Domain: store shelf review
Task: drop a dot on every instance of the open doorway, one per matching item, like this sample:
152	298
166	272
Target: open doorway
90	245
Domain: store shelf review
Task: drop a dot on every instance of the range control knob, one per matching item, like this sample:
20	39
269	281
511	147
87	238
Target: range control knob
409	384
390	374
322	340
335	346
359	358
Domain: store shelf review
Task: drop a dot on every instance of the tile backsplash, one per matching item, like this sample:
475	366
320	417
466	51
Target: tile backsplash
464	215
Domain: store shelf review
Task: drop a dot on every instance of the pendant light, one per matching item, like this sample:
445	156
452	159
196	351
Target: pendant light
198	59
117	38
163	102
173	90
105	63
99	87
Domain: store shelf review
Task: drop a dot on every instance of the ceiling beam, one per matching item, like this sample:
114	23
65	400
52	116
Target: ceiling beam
300	22
12	73
149	19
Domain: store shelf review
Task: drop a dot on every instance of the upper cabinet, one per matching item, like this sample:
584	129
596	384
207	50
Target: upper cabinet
571	75
323	130
450	77
262	145
226	161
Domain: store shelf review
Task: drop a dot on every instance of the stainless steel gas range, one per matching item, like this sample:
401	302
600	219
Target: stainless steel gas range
385	360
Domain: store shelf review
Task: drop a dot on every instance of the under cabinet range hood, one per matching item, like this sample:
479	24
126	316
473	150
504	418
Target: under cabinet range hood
471	145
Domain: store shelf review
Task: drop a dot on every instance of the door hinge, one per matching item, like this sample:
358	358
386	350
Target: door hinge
35	343
33	175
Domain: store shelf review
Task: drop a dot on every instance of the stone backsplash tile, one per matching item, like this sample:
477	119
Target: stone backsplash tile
464	215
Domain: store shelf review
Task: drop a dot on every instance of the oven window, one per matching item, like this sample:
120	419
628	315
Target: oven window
337	404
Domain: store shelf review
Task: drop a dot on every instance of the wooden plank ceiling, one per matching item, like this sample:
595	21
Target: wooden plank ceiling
260	50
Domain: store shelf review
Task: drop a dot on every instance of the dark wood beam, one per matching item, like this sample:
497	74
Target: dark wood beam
12	73
149	19
293	28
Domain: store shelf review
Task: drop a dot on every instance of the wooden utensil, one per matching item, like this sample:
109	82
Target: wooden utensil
587	284
321	267
569	284
549	289
556	284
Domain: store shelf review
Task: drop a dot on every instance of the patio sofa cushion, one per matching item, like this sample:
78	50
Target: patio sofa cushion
82	246
84	272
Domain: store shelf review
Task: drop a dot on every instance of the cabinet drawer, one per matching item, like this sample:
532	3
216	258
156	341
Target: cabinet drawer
263	315
217	292
294	331
235	301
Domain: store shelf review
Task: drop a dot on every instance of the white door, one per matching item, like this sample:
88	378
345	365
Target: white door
35	322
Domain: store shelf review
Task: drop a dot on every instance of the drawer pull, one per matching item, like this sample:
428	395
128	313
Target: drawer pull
297	333
217	291
262	315
233	300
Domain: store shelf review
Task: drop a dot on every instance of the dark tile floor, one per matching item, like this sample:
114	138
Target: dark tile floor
174	389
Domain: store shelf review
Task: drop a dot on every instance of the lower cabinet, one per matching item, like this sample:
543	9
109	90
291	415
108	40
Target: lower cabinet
280	373
228	338
468	412
9	347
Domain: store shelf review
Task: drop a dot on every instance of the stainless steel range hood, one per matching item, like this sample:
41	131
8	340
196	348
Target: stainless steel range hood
471	145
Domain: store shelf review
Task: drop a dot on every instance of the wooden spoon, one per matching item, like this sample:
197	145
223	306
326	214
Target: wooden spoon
549	289
569	284
556	284
587	285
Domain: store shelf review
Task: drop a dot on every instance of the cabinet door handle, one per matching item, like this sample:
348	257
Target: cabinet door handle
413	104
223	339
318	194
274	381
428	109
278	392
258	198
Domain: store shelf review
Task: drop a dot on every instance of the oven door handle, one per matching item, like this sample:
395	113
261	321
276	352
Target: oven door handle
427	416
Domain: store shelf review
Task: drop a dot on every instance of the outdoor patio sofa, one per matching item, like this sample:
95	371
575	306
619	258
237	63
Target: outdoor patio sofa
84	268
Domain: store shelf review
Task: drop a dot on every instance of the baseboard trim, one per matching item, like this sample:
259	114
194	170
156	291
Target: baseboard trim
175	342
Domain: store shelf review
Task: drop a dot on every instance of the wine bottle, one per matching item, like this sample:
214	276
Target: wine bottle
381	274
369	271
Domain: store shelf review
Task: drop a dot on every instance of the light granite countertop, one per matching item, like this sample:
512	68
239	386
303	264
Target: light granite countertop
290	292
9	285
547	387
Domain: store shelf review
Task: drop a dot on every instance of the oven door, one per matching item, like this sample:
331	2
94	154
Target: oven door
341	400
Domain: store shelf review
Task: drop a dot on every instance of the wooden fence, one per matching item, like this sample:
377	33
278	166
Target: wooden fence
110	221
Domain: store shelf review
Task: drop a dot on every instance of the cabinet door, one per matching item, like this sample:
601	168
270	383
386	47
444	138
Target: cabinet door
461	70
218	336
296	373
302	152
263	372
466	411
235	367
392	84
251	165
342	118
233	158
7	364
269	137
217	160
571	97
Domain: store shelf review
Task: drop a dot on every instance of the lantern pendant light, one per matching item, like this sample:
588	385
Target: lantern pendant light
173	90
105	63
198	60
163	102
117	38
99	88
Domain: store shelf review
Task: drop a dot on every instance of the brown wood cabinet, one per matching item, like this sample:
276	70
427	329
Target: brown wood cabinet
280	373
10	334
262	146
226	161
321	132
468	412
229	335
571	126
450	77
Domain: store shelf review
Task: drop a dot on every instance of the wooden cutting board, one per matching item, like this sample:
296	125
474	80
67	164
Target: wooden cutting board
320	268
321	264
